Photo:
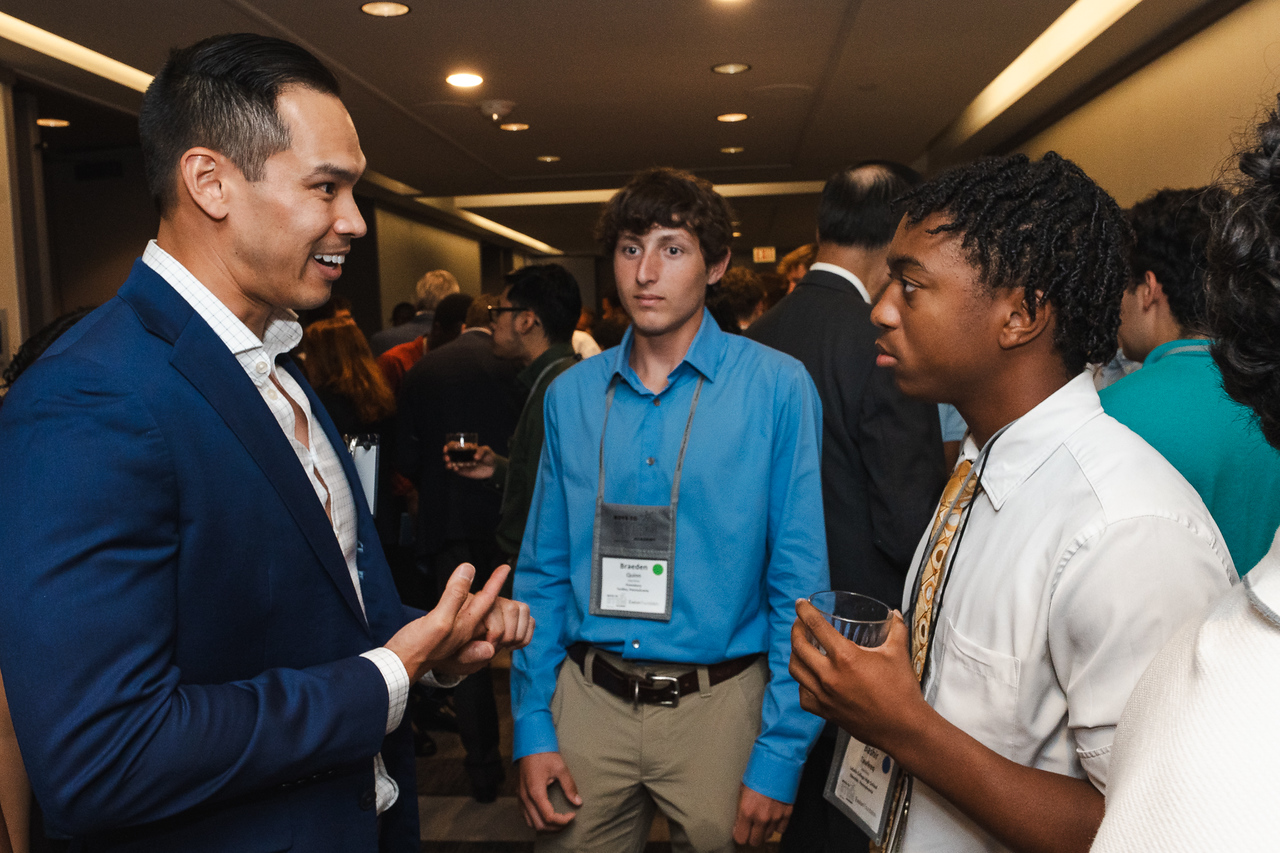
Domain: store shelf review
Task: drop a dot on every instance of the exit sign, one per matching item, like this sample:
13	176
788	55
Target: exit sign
764	254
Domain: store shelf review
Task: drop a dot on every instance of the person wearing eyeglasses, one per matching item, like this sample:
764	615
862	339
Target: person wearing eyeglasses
532	323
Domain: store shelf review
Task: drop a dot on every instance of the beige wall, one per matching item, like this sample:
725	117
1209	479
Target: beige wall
1174	122
11	332
407	249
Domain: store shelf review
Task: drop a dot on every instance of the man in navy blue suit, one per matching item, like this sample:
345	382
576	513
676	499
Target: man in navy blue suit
201	642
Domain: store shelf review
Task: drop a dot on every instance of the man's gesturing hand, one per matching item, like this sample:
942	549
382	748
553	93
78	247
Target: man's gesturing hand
537	773
464	630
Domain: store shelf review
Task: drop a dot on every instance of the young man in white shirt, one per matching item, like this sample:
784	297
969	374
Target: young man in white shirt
1079	554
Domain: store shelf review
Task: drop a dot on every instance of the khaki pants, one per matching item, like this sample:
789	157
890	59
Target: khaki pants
628	760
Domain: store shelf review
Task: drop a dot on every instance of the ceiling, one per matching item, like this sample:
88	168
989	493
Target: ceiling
612	87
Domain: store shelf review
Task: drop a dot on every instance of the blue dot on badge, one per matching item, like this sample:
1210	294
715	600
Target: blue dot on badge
886	764
657	568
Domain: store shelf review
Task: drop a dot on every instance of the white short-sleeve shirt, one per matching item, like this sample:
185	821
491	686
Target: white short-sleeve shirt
1084	552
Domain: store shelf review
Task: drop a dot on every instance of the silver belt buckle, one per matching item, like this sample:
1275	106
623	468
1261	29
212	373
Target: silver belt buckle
655	680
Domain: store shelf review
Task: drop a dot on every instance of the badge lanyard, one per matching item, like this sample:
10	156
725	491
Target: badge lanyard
976	470
640	539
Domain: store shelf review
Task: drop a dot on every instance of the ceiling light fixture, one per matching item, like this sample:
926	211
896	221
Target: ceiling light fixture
514	125
737	233
385	10
45	42
732	149
549	158
1083	22
53	122
731	117
731	68
464	81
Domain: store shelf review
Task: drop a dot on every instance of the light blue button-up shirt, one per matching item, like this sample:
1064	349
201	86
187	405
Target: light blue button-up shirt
750	537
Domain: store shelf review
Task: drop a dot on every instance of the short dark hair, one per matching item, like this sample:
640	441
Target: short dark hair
1244	280
858	203
1046	227
1171	230
451	314
551	292
669	198
220	93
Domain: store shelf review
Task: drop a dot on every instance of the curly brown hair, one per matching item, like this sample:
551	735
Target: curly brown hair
669	198
1244	279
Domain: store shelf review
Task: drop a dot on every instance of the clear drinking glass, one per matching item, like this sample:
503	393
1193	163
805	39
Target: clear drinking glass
859	618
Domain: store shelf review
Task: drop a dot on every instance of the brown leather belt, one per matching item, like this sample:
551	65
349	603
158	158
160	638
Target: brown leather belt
650	689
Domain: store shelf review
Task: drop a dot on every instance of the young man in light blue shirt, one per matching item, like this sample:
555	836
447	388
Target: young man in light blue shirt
676	519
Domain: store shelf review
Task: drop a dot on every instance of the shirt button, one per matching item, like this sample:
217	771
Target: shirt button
656	401
261	367
271	393
650	461
635	644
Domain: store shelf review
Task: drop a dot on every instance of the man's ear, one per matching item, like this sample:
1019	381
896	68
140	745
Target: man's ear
716	271
525	321
1020	328
204	175
1150	291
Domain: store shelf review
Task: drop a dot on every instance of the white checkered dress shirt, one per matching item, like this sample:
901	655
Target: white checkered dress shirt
319	461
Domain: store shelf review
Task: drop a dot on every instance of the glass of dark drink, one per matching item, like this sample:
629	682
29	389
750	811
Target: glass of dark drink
461	446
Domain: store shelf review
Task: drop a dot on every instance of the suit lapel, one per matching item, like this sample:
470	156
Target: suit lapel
201	356
381	599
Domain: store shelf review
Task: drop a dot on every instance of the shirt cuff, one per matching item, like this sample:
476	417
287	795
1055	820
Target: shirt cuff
393	672
534	733
444	682
775	777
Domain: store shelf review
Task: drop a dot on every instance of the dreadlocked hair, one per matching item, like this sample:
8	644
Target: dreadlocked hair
1045	227
1244	280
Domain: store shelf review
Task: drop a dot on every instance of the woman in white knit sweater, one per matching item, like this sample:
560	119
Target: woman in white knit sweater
1196	759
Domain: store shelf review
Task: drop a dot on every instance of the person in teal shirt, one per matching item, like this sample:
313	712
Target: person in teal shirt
1176	402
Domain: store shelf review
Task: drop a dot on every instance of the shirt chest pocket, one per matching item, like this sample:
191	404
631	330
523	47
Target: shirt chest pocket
978	690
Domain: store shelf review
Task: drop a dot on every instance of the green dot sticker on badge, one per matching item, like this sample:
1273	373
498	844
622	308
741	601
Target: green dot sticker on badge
657	568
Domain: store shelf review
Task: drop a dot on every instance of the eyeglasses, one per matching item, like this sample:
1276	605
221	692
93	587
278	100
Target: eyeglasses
495	310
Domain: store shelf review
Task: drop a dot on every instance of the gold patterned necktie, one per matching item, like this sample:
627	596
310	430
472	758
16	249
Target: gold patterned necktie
950	510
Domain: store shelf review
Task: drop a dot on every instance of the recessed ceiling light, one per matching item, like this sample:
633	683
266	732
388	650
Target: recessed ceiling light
385	10
53	122
732	117
514	125
731	67
737	233
549	158
732	149
464	81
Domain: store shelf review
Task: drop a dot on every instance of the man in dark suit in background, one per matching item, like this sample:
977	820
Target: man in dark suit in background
882	468
202	646
460	387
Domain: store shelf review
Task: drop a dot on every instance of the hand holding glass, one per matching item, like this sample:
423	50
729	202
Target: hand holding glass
859	618
461	446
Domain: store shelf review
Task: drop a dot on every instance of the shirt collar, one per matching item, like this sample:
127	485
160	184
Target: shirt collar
283	331
823	266
705	353
1184	346
1029	441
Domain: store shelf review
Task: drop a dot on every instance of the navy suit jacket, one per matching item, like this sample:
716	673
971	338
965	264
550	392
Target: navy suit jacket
179	634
